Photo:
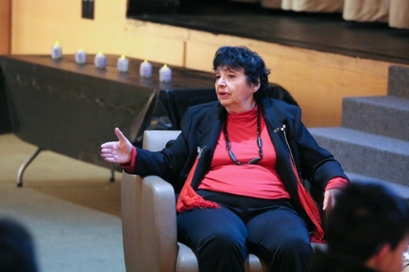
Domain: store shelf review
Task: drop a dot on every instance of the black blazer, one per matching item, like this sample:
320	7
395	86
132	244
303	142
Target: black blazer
201	127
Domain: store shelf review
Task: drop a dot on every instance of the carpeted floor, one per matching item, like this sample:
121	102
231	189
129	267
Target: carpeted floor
70	207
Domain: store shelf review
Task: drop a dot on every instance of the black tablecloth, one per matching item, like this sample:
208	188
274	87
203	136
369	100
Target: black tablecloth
71	109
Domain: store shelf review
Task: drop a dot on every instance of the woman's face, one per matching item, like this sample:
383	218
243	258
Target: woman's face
233	90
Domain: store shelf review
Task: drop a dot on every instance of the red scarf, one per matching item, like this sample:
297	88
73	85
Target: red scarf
308	203
189	199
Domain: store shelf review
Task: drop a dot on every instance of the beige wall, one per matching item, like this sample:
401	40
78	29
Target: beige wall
5	27
317	80
37	24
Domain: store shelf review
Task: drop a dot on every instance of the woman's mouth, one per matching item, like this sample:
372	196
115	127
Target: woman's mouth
223	95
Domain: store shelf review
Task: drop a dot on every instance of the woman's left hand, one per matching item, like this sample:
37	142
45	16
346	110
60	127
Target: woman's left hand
329	199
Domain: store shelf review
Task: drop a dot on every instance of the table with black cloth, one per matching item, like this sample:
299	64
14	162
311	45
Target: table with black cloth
72	109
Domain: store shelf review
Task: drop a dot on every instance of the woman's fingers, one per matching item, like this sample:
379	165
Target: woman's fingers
107	145
107	149
110	159
120	135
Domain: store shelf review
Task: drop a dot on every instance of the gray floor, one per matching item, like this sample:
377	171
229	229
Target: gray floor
70	207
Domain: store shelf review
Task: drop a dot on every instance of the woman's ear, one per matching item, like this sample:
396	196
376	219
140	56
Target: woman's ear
380	259
256	86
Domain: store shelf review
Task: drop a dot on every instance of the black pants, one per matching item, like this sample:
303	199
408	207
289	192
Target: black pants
223	238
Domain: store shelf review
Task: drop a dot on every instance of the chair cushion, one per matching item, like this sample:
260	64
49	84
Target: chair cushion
187	261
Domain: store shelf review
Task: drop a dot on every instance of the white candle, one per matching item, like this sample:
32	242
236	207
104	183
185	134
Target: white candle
122	64
145	69
56	51
100	60
80	57
165	74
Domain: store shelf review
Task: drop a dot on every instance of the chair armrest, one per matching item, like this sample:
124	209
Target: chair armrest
148	223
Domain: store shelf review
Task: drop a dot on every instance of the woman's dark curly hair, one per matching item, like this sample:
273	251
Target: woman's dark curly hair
240	57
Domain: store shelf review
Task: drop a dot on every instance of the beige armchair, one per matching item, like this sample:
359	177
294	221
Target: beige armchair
149	221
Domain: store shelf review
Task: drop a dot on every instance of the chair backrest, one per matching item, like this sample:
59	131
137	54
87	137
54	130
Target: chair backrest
156	140
179	100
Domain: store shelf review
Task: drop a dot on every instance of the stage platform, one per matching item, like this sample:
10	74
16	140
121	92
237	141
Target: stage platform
315	31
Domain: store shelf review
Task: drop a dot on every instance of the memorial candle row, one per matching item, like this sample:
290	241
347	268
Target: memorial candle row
100	62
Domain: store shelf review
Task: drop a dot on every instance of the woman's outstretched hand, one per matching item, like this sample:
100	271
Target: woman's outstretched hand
117	152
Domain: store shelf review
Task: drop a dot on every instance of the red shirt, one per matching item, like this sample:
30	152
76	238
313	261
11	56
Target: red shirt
254	180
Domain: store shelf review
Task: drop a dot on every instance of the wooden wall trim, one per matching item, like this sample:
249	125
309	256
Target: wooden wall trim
5	27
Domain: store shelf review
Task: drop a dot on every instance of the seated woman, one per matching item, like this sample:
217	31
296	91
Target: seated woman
238	165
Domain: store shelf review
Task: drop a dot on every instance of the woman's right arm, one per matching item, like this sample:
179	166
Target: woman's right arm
165	163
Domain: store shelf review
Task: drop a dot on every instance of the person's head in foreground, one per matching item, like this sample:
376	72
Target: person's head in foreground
17	252
369	225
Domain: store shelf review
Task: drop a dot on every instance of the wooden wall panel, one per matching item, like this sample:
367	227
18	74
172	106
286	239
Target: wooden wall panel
5	26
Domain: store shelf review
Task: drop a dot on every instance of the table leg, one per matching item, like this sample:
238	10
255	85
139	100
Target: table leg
112	178
25	165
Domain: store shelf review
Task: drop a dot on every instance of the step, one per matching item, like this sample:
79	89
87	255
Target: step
398	81
400	190
383	115
367	154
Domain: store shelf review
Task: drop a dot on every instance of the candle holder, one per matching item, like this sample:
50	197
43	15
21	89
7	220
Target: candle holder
80	57
123	64
56	51
145	69
165	74
100	61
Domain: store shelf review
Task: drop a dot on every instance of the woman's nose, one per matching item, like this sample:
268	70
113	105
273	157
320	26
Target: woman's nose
220	81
